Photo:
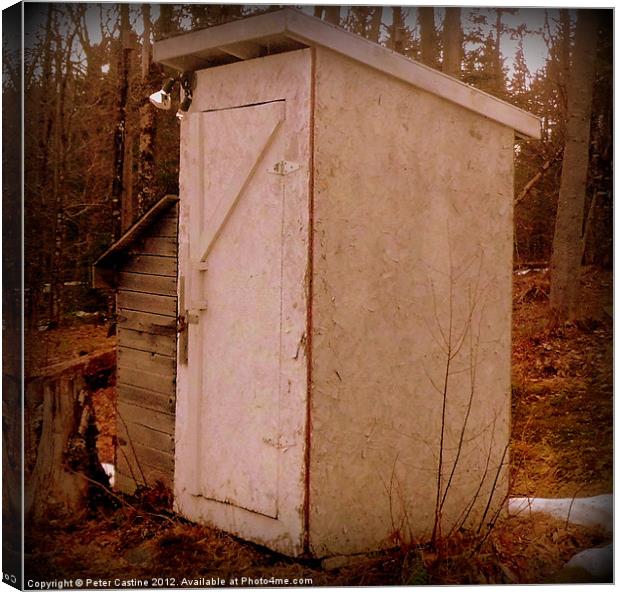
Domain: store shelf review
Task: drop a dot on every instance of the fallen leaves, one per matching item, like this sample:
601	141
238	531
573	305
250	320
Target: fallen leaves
562	394
561	446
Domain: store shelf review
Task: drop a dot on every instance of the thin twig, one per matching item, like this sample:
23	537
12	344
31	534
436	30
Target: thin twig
472	390
497	474
120	416
437	522
462	519
118	498
572	501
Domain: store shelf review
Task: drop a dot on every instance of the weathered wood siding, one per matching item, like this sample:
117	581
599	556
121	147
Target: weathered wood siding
146	304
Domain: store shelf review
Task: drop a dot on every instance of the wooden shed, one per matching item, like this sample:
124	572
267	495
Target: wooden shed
345	258
142	268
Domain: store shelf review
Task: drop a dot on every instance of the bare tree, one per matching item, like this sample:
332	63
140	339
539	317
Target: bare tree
567	249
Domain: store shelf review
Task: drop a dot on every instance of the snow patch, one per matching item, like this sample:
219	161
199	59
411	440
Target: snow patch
598	562
594	511
109	471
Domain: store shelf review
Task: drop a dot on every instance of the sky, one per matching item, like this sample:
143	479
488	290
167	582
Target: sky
534	46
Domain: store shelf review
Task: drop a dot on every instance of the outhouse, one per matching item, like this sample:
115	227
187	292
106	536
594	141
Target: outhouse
345	258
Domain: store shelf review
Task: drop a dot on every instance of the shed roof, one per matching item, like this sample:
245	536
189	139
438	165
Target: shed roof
111	256
289	29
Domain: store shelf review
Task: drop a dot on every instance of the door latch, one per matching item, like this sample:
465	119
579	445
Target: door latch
284	167
193	314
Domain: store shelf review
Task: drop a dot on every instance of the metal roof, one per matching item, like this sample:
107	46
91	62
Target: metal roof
289	29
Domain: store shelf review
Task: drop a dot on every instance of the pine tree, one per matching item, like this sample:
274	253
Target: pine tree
519	82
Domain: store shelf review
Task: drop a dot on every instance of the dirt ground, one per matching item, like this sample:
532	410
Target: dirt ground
561	447
562	391
45	348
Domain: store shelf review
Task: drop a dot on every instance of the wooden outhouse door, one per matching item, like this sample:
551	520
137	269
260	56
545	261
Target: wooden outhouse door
244	252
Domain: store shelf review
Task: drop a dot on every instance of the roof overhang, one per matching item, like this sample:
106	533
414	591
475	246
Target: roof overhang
290	29
105	266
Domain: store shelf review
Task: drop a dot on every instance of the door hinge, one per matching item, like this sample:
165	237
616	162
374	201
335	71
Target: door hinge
284	167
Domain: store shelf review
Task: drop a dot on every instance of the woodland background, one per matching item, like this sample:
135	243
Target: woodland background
97	154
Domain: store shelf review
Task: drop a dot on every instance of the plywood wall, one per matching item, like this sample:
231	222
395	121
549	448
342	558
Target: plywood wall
146	365
412	266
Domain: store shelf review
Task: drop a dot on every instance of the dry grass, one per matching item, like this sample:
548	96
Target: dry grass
562	392
131	543
44	348
104	403
561	446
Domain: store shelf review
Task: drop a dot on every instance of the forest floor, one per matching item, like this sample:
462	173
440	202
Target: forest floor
562	446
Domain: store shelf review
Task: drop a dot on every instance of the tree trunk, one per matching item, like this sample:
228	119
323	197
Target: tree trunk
66	451
498	72
428	35
375	24
200	18
332	14
164	25
129	210
46	118
146	147
567	252
59	152
147	48
60	437
564	65
397	36
119	134
452	42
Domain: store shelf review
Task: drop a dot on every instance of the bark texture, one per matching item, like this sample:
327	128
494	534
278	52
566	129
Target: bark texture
146	159
61	437
118	182
452	42
428	35
567	246
54	487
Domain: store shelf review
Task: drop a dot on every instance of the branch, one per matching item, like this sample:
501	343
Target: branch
119	498
538	176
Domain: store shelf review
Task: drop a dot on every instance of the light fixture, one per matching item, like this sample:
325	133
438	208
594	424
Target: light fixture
187	84
161	99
